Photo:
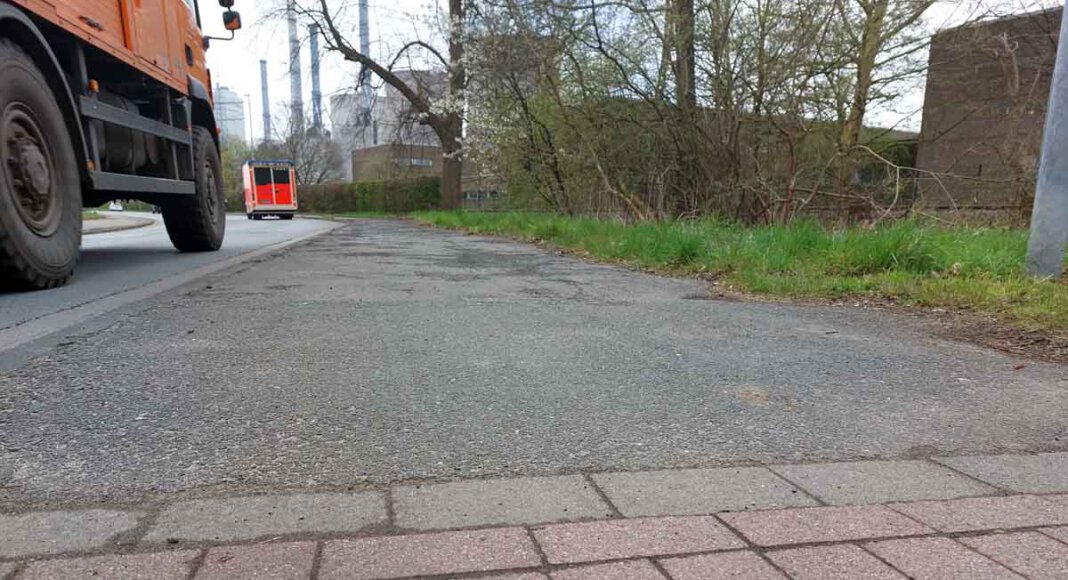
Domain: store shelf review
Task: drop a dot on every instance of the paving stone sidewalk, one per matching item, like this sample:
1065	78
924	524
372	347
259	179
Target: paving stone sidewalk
963	517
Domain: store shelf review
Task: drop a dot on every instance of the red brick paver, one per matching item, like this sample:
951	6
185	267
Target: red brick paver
290	561
633	538
163	566
986	513
428	554
938	559
1029	553
723	566
840	562
630	570
822	524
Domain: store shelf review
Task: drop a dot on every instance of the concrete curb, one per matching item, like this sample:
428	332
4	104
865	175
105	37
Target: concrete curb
131	223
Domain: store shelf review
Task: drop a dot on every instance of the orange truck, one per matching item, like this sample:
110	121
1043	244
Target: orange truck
103	100
270	189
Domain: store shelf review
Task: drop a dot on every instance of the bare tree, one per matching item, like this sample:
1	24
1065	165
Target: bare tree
445	113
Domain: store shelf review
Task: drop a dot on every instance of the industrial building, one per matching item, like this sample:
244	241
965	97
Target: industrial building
984	111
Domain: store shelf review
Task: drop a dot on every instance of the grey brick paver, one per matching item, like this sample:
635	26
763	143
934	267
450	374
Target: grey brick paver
39	533
520	501
266	561
428	554
822	524
868	482
986	513
244	518
722	566
1041	473
629	570
1029	553
838	562
938	559
633	538
161	566
513	576
699	491
1058	533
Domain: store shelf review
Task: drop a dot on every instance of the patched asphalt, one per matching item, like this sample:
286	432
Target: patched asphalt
384	352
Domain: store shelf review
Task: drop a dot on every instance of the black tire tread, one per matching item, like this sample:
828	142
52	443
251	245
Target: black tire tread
185	219
16	273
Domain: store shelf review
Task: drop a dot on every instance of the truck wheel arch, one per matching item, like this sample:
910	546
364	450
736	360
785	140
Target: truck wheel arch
203	115
17	27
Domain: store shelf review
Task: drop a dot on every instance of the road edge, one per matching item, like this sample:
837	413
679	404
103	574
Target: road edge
31	331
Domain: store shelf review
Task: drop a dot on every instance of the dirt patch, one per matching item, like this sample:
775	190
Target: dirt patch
1037	345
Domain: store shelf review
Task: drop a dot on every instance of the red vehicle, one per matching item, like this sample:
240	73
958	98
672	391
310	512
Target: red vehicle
270	189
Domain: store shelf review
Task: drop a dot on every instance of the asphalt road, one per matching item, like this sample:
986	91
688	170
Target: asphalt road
117	261
384	352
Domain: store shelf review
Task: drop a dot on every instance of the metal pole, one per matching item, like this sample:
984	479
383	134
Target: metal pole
1049	218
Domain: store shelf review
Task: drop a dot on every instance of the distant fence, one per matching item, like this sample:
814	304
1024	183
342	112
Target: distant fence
393	196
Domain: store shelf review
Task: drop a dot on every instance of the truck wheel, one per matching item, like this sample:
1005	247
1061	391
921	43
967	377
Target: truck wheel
40	192
197	223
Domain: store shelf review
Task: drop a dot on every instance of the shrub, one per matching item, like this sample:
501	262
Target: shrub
393	196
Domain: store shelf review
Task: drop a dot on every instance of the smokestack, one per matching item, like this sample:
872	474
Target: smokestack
317	94
365	47
296	100
266	102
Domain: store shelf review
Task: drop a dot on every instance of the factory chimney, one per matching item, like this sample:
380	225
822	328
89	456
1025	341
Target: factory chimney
296	100
366	96
266	102
317	94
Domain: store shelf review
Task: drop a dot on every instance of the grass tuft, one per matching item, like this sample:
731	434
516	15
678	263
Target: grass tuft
980	269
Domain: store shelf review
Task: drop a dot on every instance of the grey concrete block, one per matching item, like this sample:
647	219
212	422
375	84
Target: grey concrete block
1041	473
161	566
699	491
527	500
6	569
242	518
866	482
39	533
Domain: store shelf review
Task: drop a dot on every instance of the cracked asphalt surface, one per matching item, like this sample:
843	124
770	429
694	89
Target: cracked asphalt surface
383	352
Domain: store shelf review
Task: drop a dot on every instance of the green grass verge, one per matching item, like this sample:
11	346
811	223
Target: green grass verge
91	215
979	269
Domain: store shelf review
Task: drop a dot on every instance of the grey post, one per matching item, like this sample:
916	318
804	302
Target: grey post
1049	219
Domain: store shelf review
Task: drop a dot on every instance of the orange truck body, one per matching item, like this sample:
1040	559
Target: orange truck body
120	107
158	37
270	188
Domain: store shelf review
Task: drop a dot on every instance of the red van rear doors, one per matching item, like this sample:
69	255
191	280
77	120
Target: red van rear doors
273	185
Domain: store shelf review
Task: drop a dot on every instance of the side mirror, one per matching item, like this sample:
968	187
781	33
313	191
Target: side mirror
226	4
232	20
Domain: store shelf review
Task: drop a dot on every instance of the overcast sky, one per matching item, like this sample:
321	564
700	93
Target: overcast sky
236	64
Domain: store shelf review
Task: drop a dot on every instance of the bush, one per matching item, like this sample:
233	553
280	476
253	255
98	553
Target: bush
394	196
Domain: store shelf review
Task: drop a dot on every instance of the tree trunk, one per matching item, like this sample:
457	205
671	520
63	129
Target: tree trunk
451	175
867	53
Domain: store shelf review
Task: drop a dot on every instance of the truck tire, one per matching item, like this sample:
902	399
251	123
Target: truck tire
40	192
197	223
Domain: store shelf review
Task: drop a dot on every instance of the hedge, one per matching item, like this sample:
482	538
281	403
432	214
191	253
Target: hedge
393	196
